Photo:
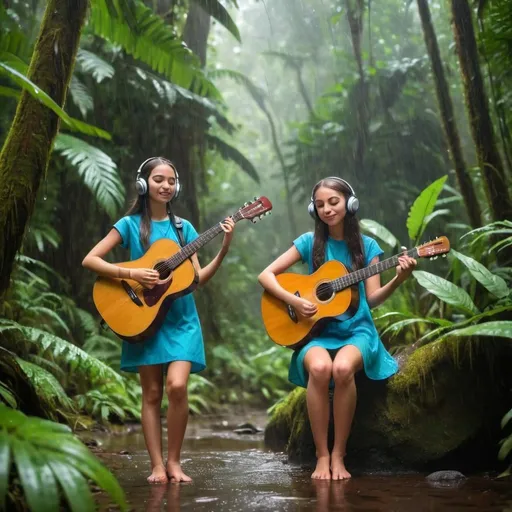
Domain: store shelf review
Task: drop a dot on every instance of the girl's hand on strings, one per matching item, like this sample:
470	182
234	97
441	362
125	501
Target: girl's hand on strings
304	307
147	277
406	266
227	226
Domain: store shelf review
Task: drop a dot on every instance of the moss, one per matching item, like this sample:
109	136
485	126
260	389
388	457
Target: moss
445	394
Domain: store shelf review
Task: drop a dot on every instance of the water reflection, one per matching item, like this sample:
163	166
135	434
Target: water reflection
159	493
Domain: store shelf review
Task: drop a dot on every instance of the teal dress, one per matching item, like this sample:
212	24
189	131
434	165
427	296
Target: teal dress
359	330
180	337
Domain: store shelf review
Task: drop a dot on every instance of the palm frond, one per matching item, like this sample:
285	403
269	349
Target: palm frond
80	96
216	10
96	168
78	359
228	152
40	95
153	42
89	62
46	384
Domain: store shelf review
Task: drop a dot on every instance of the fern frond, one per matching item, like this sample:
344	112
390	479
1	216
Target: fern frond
89	62
96	168
46	384
80	96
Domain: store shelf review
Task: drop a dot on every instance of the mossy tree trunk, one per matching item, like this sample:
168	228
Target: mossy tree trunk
26	152
448	118
478	110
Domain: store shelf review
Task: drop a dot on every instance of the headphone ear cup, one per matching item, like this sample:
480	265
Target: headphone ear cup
177	191
141	186
312	210
352	204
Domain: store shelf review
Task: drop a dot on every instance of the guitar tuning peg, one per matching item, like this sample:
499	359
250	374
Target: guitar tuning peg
255	198
246	204
444	255
256	219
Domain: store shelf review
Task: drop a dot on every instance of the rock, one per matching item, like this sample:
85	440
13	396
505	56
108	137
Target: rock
443	408
247	428
439	476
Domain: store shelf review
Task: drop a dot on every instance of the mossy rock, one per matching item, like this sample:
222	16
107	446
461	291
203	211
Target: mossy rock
447	399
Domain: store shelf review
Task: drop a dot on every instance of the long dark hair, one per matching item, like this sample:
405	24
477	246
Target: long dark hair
140	203
351	230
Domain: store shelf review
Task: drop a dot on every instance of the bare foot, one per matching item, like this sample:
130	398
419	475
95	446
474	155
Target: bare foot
322	471
339	471
159	475
176	474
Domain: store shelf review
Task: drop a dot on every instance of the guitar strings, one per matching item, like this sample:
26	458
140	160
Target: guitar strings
326	288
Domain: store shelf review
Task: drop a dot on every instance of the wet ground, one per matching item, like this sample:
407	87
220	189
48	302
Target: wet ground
234	472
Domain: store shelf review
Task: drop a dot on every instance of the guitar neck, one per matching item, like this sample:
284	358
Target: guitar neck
177	259
360	275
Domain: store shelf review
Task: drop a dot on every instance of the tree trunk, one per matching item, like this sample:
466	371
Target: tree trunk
477	105
26	152
448	118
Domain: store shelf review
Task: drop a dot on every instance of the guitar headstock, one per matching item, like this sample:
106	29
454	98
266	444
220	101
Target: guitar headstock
256	209
434	248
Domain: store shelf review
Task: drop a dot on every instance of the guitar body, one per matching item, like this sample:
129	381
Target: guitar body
133	312
285	326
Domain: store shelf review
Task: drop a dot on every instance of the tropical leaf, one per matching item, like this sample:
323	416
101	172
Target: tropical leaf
45	384
44	452
446	291
423	207
40	95
378	230
228	152
493	283
216	10
497	329
80	96
89	62
153	42
78	359
96	168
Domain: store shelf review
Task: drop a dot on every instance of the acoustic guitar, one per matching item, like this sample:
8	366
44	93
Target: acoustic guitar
332	289
133	312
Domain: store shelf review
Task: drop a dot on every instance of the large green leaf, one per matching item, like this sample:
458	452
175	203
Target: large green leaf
378	230
216	10
446	291
495	284
46	453
96	168
423	207
153	42
40	95
497	329
74	486
45	384
79	360
80	96
228	152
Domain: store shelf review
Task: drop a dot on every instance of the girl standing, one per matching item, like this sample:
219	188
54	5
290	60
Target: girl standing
177	348
342	348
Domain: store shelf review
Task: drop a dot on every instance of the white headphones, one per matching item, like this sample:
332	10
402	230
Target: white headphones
352	202
141	185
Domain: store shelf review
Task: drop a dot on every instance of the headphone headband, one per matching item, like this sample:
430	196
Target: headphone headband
141	184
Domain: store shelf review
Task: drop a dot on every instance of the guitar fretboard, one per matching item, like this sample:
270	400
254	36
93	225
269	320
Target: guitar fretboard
364	273
177	259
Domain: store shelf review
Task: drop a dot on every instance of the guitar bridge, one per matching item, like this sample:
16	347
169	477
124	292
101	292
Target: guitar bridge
129	290
291	310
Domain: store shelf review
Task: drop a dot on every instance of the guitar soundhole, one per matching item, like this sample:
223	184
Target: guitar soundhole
164	272
324	292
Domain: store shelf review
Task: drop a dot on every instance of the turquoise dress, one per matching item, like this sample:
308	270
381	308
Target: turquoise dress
180	337
359	330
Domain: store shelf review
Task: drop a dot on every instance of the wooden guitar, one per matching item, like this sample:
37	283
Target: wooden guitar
332	289
134	312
